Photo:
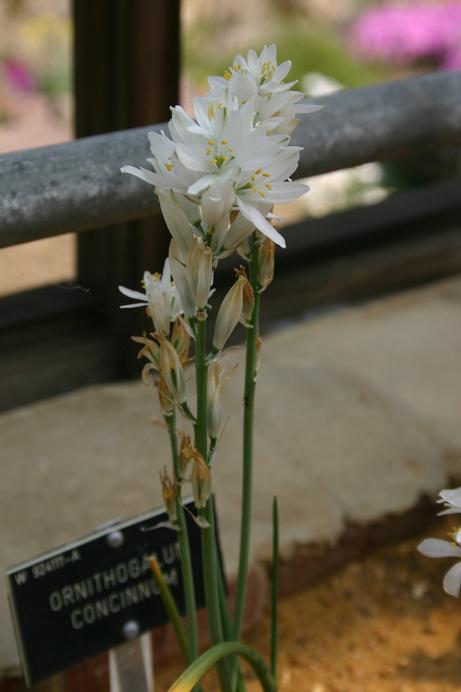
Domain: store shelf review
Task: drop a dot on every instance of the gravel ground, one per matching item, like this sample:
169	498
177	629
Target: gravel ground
380	625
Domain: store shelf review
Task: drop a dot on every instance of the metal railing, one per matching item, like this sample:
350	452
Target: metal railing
77	186
412	237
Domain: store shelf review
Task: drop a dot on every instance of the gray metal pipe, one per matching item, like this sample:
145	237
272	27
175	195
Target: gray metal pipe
78	186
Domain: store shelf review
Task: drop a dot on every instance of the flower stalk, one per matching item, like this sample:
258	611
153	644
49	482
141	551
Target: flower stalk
248	425
186	561
217	178
208	535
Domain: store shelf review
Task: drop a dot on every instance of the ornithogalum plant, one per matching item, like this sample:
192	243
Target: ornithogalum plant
217	178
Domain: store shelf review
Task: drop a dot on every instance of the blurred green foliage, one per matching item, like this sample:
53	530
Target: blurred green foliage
310	48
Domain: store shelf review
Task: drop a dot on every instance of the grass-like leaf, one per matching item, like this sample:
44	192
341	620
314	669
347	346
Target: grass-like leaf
210	658
275	587
170	607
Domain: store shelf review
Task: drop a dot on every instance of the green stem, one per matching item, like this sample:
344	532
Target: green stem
207	660
208	535
275	587
171	609
248	423
237	681
186	560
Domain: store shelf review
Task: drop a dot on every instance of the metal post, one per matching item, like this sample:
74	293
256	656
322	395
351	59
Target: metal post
126	67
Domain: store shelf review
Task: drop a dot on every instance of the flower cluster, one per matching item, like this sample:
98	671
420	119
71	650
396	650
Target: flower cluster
411	33
437	547
217	177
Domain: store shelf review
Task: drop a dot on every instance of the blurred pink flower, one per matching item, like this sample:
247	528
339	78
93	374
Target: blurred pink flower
17	75
408	33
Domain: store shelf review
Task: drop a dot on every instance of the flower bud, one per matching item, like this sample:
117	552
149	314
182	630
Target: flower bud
199	263
176	220
170	494
248	303
266	263
171	370
240	229
231	310
182	280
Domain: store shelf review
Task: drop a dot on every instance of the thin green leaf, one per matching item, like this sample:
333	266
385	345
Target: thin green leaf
170	607
209	659
275	587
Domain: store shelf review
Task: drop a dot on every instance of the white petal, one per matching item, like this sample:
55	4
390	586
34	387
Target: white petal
285	192
137	295
452	580
451	496
282	70
192	158
200	185
452	510
134	305
255	216
144	174
166	275
436	547
176	220
307	108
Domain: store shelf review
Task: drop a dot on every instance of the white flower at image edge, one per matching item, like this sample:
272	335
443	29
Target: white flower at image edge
160	298
436	547
451	499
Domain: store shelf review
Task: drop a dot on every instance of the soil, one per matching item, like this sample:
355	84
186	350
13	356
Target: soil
380	625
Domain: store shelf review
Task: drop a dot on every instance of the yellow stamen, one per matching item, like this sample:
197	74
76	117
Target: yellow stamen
258	171
266	175
169	166
227	75
269	186
210	142
224	141
254	189
261	194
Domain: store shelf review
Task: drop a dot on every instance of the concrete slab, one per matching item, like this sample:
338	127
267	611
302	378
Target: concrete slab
357	418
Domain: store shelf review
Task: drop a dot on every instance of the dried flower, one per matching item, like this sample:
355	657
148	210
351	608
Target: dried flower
170	495
172	370
266	263
201	481
218	376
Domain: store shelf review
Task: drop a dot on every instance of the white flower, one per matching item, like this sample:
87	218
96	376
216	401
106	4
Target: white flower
160	298
436	547
233	157
261	78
